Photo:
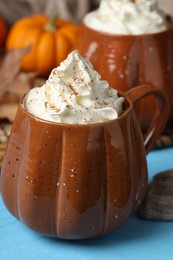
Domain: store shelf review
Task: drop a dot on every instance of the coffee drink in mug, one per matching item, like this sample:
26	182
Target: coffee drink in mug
75	165
131	43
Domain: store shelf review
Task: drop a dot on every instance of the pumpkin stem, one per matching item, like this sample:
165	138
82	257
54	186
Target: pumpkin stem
51	25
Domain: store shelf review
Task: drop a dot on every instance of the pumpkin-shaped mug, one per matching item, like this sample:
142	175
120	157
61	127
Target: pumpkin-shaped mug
75	181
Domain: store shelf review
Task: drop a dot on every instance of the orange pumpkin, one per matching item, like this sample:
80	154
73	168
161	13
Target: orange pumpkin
3	31
50	39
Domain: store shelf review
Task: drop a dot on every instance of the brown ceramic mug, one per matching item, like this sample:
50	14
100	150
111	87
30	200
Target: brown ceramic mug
77	181
126	61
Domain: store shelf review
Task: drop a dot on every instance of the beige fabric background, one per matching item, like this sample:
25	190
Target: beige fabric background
166	5
12	10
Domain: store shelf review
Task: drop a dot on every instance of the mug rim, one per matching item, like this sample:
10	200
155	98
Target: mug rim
146	35
128	102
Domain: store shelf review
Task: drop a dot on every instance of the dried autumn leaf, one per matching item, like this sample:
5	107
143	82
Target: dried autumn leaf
23	83
10	100
8	111
13	84
10	67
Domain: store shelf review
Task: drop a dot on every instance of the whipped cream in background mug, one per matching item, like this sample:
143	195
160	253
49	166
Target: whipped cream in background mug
127	17
74	94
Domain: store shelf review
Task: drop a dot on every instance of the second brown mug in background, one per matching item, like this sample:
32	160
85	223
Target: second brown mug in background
126	61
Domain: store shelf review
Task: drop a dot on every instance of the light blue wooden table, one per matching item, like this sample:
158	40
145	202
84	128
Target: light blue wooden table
137	240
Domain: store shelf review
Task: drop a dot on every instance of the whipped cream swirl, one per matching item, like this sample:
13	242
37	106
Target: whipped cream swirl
74	94
127	17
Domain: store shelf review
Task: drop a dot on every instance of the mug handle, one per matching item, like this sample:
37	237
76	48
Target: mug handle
161	113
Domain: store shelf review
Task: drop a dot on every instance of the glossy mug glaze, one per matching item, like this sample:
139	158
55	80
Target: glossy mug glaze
77	181
126	61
